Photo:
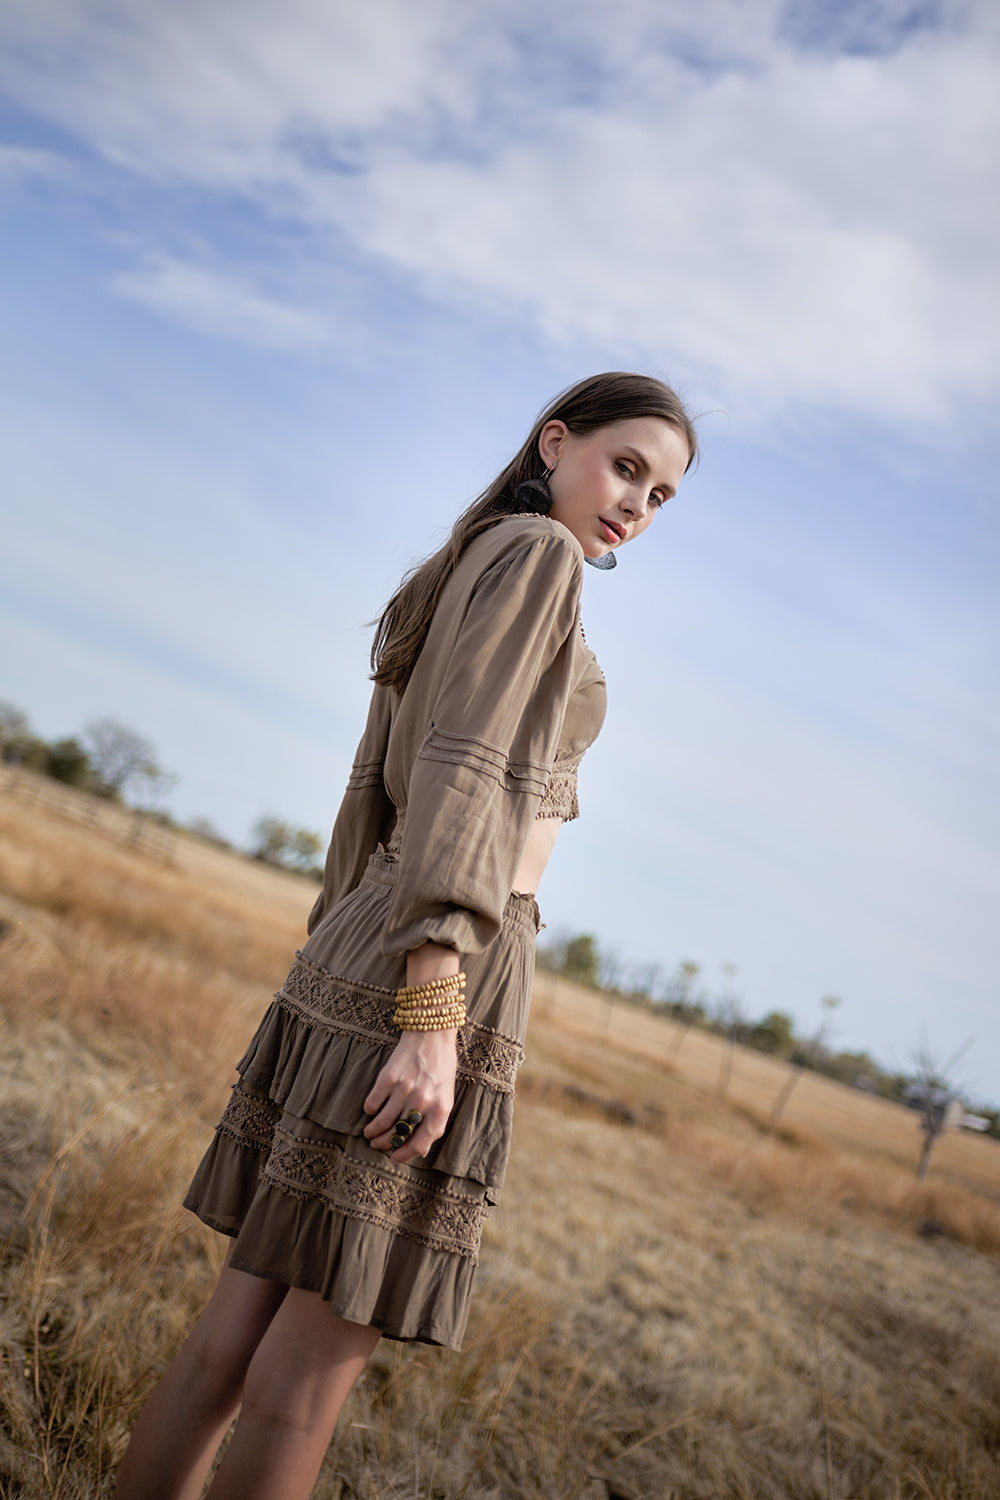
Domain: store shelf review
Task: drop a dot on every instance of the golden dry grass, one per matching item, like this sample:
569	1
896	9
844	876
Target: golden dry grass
694	1304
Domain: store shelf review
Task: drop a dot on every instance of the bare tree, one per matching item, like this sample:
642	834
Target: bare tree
121	758
611	977
645	979
731	1017
680	995
932	1091
806	1053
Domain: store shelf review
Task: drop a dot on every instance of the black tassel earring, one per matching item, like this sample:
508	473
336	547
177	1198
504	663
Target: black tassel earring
534	495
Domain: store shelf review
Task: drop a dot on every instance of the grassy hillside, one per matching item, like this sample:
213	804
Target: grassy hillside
676	1298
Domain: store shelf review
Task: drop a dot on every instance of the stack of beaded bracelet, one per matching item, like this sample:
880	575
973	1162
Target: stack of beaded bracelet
435	1006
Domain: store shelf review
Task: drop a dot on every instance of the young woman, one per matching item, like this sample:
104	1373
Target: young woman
369	1131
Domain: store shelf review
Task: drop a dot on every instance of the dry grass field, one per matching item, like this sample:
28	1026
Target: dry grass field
677	1298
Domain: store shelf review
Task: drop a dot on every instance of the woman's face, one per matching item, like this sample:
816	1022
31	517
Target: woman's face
607	485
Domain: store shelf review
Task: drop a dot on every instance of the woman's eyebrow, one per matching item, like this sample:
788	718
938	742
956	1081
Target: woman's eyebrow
644	464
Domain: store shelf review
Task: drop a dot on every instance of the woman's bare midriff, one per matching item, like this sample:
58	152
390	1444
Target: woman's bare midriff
541	842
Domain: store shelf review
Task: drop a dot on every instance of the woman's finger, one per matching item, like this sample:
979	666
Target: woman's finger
426	1125
395	1105
404	1096
420	1142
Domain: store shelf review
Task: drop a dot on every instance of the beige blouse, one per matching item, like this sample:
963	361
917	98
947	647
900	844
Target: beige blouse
504	699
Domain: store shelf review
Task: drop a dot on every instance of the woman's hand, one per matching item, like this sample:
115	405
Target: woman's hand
420	1074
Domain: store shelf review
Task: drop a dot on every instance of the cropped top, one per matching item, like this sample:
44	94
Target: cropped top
503	700
581	726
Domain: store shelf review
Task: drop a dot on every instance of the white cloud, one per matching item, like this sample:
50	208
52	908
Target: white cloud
783	209
19	161
222	303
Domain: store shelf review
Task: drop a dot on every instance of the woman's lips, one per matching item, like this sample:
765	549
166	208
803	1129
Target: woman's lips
611	533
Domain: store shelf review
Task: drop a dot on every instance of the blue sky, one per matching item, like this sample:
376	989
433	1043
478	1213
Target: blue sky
283	288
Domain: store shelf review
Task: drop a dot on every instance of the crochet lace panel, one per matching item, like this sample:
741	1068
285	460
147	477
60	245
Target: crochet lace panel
365	1012
376	1193
560	800
249	1121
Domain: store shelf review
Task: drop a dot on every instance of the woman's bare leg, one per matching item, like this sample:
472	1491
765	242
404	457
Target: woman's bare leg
185	1419
297	1382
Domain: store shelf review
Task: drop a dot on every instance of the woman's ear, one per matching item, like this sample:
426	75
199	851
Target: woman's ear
550	441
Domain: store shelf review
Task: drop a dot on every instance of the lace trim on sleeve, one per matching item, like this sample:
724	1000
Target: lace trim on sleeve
560	799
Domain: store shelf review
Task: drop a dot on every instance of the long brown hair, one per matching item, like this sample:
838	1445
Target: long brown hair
595	402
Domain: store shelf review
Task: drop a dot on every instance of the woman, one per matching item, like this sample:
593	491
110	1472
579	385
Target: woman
369	1130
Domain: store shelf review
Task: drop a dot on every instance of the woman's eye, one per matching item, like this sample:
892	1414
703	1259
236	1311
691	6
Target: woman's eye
657	499
624	468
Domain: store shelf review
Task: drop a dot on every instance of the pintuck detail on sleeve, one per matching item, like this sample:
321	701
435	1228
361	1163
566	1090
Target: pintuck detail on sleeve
487	760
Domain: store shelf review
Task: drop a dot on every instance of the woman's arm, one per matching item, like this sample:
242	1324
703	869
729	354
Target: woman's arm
420	1074
490	718
473	791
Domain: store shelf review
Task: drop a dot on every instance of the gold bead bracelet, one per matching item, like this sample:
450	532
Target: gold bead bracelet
431	987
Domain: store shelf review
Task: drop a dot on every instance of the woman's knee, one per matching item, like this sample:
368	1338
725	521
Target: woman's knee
223	1341
306	1363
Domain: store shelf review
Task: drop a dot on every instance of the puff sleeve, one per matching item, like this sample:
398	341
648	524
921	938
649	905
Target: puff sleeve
488	744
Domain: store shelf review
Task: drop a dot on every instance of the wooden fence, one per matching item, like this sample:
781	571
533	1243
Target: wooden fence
125	824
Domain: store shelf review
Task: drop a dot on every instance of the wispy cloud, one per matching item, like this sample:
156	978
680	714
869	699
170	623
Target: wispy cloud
222	303
21	161
785	209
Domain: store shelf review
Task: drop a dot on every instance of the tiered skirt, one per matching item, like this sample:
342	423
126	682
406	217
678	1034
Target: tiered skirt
289	1174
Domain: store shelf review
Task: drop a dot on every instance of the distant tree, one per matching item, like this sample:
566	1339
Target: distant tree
204	828
856	1068
278	843
806	1053
774	1034
932	1090
150	785
645	980
611	970
893	1086
682	1000
611	978
270	839
120	757
306	848
731	1019
67	760
18	745
14	727
580	959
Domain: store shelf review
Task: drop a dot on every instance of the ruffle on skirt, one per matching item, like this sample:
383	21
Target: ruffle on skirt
289	1173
